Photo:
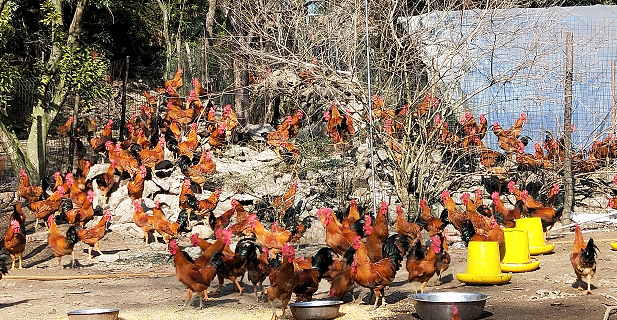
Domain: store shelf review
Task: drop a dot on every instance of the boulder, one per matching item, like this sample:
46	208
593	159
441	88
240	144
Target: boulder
123	212
117	197
150	188
266	156
169	205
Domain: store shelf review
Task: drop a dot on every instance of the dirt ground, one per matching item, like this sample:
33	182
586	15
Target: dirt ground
547	293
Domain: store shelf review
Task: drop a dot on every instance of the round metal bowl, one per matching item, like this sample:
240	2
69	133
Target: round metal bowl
315	310
94	314
438	305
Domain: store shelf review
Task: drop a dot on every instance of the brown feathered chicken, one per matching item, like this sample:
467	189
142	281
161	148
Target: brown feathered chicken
150	158
164	227
434	226
27	191
372	275
402	226
283	203
142	220
217	137
46	208
583	258
189	146
421	266
455	216
92	236
66	127
60	244
283	282
15	238
380	225
274	241
202	170
176	82
135	187
98	143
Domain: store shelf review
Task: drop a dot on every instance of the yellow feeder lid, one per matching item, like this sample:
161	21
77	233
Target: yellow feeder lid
614	245
547	248
532	264
484	278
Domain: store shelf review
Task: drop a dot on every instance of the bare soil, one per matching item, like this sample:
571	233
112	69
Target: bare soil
547	293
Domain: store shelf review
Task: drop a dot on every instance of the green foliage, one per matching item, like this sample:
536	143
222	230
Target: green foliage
8	74
52	17
84	72
6	29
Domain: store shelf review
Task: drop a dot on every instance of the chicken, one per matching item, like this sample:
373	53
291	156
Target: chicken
205	208
162	225
189	146
66	127
421	266
283	282
495	233
200	91
99	143
230	120
402	226
583	258
75	194
293	126
234	265
46	208
373	275
27	191
82	215
217	137
307	278
224	219
509	216
176	82
126	162
196	278
423	107
455	314
142	220
352	214
283	203
340	128
82	175
274	138
342	284
202	170
135	187
15	238
62	245
150	158
372	242
548	214
184	193
92	236
380	225
455	216
334	237
274	241
442	258
434	226
106	181
242	226
480	223
257	267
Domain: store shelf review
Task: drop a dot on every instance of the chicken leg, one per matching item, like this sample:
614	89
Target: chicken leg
376	299
589	283
97	248
189	294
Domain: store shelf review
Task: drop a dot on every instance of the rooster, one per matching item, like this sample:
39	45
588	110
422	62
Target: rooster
27	191
421	266
283	282
92	236
15	238
66	127
583	258
176	82
402	226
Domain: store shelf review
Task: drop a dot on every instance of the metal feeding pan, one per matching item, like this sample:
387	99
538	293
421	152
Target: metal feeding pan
438	305
94	314
315	310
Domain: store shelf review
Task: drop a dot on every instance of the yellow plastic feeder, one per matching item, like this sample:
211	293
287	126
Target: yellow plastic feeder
517	258
483	264
614	245
537	243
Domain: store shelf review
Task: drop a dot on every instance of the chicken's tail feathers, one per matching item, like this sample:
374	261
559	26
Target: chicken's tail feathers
216	261
467	231
72	236
590	252
444	218
183	221
395	248
323	259
348	255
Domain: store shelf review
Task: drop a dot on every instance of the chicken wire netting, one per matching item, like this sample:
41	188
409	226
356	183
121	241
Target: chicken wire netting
506	62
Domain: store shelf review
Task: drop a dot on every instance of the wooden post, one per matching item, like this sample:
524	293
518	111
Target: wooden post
567	121
613	97
72	134
123	114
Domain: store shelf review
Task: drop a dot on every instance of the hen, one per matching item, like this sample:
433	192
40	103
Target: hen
98	143
283	282
46	208
583	258
402	226
142	220
66	127
196	278
27	191
135	187
270	240
421	266
92	236
15	238
433	226
189	146
62	245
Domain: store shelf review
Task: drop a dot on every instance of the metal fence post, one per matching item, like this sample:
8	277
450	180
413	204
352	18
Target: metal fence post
567	121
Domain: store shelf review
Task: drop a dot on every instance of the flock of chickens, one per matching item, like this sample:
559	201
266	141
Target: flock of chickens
360	250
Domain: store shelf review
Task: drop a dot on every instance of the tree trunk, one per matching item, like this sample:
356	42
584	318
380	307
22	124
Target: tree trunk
33	159
567	121
210	21
240	62
166	36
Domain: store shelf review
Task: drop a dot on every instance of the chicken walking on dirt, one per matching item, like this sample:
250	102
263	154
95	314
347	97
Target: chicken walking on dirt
583	258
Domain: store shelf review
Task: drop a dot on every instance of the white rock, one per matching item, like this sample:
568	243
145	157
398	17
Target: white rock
265	156
117	197
205	232
158	246
123	213
169	204
96	170
108	258
150	188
